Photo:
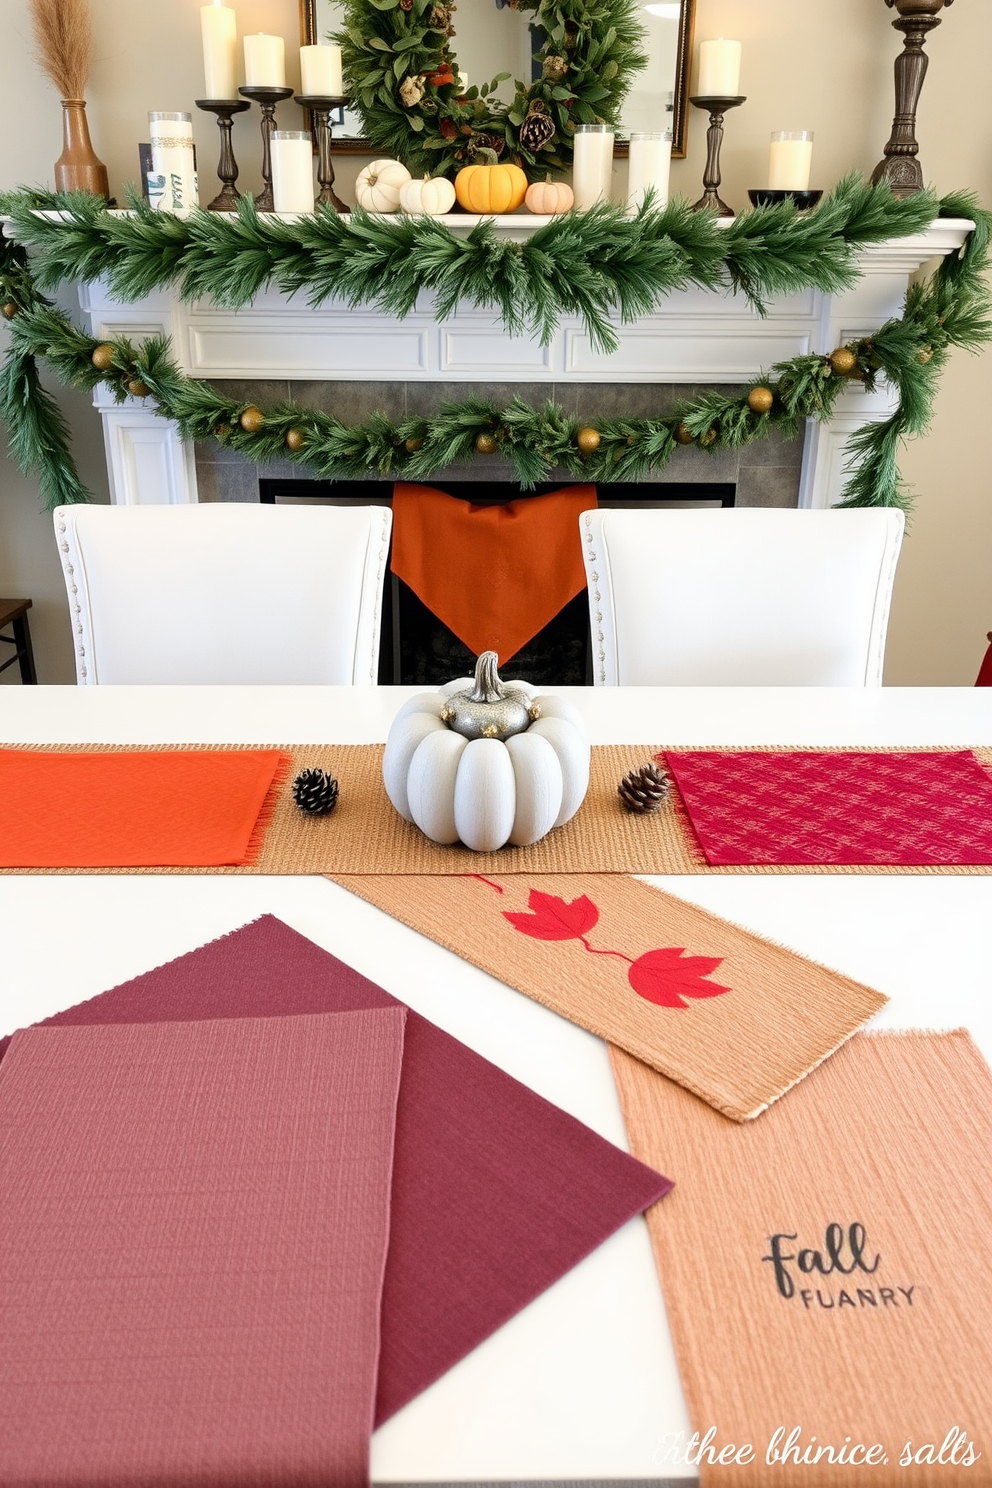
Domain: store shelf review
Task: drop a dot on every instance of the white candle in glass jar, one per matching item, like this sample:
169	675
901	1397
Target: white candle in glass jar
649	161
172	185
592	164
790	160
219	33
265	61
719	69
292	171
320	70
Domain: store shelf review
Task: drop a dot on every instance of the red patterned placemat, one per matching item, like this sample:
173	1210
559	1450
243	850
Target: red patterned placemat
900	808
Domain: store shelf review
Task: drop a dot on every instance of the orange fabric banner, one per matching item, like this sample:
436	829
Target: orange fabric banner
187	808
495	575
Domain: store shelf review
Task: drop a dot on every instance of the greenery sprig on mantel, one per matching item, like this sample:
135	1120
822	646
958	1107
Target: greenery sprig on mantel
951	309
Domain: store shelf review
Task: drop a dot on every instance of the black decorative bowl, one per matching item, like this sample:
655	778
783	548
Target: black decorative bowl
766	197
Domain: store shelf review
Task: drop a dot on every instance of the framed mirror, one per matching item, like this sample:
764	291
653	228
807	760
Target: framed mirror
493	37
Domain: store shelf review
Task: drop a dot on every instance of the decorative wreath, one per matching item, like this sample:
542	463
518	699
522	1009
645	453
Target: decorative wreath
402	76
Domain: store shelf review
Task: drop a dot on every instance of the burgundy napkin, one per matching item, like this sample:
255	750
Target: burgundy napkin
496	1192
891	808
192	1249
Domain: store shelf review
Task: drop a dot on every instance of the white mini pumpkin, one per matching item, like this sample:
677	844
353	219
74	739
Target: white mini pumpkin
377	188
431	197
521	767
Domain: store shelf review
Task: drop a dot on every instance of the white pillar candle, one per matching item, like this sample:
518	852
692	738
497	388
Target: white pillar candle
219	31
172	183
592	164
292	171
719	69
790	160
649	162
320	69
265	61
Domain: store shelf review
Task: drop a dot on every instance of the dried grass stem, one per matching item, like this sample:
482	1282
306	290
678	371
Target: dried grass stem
64	41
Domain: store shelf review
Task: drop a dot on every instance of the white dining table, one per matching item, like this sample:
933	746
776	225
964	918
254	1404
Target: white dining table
583	1384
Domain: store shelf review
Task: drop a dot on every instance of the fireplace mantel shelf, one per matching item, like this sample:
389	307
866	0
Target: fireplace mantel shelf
692	337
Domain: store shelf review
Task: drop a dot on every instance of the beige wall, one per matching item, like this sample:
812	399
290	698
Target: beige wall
806	65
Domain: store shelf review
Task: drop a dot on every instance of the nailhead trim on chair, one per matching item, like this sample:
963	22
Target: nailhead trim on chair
80	648
599	637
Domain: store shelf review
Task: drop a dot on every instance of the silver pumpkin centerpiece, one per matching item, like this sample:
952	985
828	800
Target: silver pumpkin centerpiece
491	709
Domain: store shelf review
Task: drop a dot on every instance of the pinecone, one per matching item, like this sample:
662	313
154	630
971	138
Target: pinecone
554	69
644	790
315	792
538	127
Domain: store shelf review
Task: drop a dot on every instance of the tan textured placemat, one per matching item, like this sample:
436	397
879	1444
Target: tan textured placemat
729	1015
363	834
886	1341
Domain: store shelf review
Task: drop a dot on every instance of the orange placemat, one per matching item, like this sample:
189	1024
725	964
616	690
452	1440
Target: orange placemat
141	808
731	1016
827	1269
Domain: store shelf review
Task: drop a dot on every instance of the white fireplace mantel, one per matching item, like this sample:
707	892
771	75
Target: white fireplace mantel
693	337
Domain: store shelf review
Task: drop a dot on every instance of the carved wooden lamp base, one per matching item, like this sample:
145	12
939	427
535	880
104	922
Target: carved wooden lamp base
900	167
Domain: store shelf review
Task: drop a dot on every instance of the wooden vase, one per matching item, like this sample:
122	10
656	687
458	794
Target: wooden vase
79	168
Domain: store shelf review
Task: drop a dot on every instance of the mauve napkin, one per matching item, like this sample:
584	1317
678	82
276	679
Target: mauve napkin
192	1249
496	1192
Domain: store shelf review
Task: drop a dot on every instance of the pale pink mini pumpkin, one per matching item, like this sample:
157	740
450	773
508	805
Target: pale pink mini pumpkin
548	198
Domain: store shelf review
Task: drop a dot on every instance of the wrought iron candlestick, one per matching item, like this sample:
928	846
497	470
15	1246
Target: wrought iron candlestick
900	167
266	98
228	197
716	107
321	108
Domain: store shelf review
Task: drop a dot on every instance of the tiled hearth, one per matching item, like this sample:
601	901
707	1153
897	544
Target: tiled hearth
765	474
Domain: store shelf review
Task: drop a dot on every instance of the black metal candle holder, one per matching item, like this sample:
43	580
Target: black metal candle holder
716	108
322	106
228	197
266	98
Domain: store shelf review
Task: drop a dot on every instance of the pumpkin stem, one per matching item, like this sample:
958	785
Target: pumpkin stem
489	157
488	687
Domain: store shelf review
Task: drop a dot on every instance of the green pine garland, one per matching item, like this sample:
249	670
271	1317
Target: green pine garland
147	250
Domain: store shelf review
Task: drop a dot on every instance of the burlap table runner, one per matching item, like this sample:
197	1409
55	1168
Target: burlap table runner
365	835
827	1269
729	1015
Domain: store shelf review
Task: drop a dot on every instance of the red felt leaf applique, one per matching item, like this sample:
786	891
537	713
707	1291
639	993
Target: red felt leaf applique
667	976
553	918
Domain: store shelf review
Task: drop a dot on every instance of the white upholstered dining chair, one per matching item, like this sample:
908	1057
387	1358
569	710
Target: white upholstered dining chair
740	597
224	592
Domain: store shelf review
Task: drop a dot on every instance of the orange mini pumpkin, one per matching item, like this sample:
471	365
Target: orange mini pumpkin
548	198
490	189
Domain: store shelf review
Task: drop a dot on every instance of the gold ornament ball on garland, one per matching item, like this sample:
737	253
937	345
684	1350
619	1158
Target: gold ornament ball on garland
221	431
486	444
683	434
9	310
708	438
924	355
843	361
103	357
760	400
252	420
412	445
295	440
137	388
588	440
